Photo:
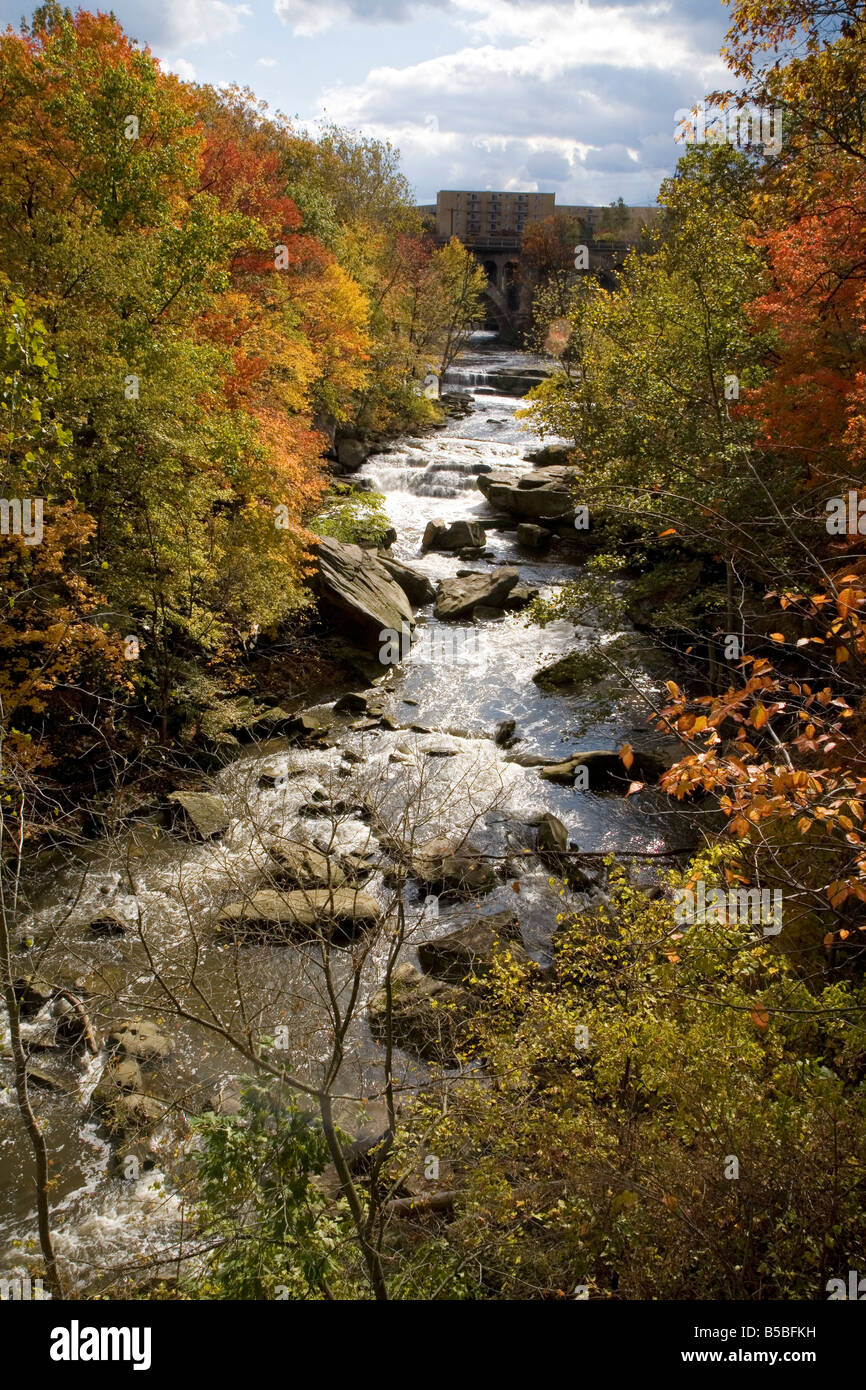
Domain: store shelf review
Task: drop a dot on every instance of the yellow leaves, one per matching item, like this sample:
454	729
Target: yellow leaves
758	716
673	689
842	655
627	755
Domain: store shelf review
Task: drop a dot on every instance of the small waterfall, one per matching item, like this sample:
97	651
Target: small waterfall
465	378
444	467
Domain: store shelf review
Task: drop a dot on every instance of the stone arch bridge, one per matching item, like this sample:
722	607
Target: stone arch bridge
510	290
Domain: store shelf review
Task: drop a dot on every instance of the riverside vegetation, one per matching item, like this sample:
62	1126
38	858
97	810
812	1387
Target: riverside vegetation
192	316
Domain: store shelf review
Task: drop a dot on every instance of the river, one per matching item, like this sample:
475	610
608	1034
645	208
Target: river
166	890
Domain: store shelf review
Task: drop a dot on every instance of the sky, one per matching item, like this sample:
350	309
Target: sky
574	97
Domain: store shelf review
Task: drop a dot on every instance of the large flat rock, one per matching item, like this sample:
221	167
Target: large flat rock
200	814
327	909
546	492
358	591
458	597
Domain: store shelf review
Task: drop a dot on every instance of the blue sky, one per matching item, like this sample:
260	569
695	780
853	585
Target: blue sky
575	97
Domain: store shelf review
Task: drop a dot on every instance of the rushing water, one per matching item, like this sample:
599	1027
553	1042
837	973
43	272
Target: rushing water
458	683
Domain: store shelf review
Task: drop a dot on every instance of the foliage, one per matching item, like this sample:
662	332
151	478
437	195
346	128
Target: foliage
608	1166
260	1206
177	324
358	518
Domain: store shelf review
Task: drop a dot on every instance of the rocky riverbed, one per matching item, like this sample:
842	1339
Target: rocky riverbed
451	776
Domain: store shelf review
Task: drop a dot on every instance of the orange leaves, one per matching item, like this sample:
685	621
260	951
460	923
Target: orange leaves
760	1017
838	893
848	600
627	755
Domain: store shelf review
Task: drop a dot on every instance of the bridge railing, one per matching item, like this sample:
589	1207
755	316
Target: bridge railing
596	246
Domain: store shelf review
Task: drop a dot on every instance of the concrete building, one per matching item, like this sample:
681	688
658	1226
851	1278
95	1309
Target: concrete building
487	216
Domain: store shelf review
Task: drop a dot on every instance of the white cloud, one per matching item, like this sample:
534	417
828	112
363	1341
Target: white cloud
168	25
181	67
267	62
307	18
576	96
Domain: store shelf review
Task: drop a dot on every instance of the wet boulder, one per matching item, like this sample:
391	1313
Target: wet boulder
418	589
564	773
310	726
460	535
504	734
360	702
141	1040
533	537
305	867
273	775
470	950
70	1021
200	815
550	454
44	1080
458	597
551	837
433	532
133	1115
359	593
447	865
31	992
427	1016
351	455
520	597
546	493
120	1076
606	770
107	925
